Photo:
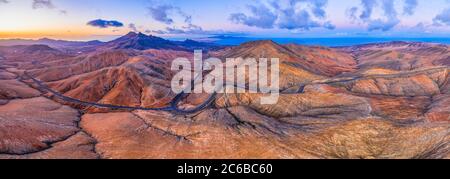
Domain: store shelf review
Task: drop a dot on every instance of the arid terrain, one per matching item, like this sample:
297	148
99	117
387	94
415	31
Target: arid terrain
113	100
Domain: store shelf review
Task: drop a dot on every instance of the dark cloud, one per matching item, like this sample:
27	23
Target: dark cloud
410	6
296	20
388	20
189	29
318	7
161	13
164	13
37	4
261	17
389	9
133	27
368	6
4	1
167	15
442	18
46	4
290	17
383	25
352	13
421	26
104	23
329	25
192	29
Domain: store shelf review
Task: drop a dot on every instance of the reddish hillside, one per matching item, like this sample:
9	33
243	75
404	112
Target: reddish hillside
317	60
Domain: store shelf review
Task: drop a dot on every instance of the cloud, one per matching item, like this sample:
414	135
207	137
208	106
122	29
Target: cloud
37	4
352	13
368	6
420	25
4	1
329	25
104	23
45	4
291	17
410	6
169	15
442	18
383	25
161	13
292	20
262	17
189	29
388	20
133	27
318	7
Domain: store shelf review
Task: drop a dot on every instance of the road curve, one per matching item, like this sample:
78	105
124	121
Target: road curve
173	107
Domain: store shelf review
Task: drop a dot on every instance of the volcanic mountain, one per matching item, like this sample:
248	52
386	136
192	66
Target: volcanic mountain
299	65
132	40
318	60
140	41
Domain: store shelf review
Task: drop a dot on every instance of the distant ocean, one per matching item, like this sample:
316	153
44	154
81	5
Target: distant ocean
329	42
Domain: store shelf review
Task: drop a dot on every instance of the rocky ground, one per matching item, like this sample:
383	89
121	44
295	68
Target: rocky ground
343	109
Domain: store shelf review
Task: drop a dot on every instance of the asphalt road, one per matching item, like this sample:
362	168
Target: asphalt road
173	107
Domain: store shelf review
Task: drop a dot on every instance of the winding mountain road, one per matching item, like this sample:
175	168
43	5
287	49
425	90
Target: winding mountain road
172	108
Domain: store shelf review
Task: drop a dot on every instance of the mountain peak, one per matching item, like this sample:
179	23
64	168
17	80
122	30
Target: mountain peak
138	35
131	33
141	41
142	34
45	39
260	43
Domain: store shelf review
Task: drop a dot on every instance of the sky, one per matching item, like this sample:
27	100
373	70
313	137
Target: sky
107	19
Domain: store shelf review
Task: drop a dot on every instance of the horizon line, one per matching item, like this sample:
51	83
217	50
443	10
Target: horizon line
212	36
